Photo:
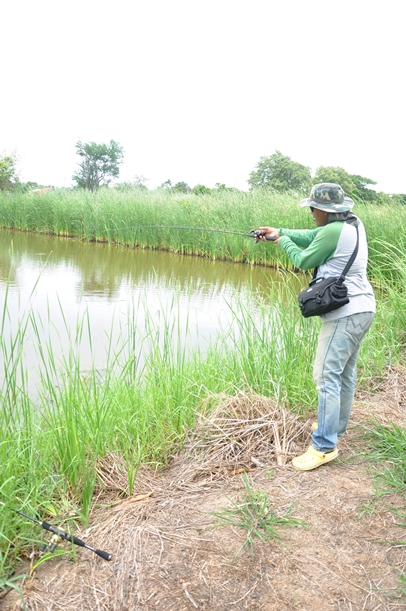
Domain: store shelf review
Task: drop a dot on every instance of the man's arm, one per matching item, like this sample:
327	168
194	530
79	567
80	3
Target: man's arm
319	250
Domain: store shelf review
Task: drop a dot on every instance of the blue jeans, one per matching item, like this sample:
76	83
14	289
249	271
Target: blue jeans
335	372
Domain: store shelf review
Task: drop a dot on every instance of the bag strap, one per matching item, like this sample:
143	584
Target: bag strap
350	261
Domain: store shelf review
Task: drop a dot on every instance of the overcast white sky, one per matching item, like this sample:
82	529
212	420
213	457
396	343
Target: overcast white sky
198	90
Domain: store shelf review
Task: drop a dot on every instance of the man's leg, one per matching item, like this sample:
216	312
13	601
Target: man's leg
335	376
332	355
358	326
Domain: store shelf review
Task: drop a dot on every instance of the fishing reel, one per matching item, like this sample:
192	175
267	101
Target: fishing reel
47	547
260	233
51	545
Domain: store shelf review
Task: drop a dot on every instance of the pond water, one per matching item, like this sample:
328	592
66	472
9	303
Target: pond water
67	293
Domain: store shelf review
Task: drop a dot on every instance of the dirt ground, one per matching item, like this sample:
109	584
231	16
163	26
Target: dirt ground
167	555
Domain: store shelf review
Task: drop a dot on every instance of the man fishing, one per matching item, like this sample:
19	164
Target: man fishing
328	248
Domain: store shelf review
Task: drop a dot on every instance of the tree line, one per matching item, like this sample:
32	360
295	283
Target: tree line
99	166
280	173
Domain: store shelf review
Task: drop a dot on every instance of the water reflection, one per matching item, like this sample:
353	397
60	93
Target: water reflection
111	290
104	268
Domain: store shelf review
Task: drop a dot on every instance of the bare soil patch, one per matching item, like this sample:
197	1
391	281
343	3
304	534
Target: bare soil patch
167	556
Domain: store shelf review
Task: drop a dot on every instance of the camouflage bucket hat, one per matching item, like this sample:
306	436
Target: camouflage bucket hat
329	197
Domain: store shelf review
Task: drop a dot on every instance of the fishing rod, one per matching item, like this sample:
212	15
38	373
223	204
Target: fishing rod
254	233
62	534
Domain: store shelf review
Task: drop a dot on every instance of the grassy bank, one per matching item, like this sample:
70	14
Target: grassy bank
50	444
112	215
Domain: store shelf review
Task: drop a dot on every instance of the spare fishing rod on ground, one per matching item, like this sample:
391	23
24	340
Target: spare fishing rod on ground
254	233
62	534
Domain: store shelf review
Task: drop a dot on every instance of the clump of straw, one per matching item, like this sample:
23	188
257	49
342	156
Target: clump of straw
246	431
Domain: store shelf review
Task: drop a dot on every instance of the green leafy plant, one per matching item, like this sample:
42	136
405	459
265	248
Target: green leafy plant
388	448
50	556
402	589
256	516
11	583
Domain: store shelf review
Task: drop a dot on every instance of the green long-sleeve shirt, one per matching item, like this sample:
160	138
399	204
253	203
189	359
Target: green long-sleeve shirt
328	248
309	248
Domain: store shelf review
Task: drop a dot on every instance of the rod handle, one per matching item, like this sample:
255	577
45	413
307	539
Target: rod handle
104	555
260	233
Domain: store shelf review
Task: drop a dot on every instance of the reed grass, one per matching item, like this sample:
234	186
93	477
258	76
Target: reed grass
117	216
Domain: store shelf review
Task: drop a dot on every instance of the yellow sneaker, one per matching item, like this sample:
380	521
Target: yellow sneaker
312	459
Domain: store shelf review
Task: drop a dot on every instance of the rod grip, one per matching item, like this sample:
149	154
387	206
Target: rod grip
260	233
102	554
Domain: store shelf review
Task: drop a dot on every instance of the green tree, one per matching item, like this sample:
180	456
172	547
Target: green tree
280	173
181	187
361	190
336	175
399	198
353	184
167	185
99	165
201	190
222	187
8	173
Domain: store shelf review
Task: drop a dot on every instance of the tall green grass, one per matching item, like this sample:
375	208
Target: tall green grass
113	215
116	216
388	273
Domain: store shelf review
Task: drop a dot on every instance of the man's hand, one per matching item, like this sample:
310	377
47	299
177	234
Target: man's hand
270	232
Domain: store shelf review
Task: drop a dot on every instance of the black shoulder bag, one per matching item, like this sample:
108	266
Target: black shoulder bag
326	294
